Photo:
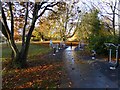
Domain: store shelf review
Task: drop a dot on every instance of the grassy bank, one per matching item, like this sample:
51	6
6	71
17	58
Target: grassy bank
34	50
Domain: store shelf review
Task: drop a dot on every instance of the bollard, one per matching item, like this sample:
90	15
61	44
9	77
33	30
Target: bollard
71	45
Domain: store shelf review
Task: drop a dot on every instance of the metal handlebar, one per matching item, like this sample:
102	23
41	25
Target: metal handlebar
114	65
111	44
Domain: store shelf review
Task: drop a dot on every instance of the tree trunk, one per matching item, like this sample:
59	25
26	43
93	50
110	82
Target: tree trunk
21	57
20	61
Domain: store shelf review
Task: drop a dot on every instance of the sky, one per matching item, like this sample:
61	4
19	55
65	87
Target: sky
102	6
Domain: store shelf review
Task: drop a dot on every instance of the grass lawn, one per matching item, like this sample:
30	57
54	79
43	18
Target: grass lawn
35	49
41	72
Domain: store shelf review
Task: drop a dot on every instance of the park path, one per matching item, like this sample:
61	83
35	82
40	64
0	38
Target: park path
87	73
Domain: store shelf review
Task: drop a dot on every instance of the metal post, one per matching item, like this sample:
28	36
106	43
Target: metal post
71	45
117	57
79	45
110	55
116	54
113	65
54	50
57	47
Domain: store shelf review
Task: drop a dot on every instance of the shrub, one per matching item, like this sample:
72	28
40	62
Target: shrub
97	43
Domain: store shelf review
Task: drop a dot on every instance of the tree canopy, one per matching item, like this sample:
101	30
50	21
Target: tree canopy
56	20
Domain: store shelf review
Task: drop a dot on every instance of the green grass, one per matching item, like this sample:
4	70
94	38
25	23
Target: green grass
6	51
34	50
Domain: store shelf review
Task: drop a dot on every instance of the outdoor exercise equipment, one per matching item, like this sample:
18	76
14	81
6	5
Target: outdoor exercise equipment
57	47
54	50
113	64
51	44
93	54
81	45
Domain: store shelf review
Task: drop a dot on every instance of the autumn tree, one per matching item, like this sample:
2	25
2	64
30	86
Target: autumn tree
108	10
42	32
48	26
66	19
33	11
108	13
89	26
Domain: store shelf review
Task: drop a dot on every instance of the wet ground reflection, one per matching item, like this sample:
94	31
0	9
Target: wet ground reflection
83	73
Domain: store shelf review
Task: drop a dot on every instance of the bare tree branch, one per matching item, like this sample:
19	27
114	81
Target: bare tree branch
12	21
47	7
69	31
51	10
24	28
40	6
87	5
5	21
117	9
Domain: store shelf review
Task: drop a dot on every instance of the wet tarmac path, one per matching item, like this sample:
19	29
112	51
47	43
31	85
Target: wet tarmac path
88	73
